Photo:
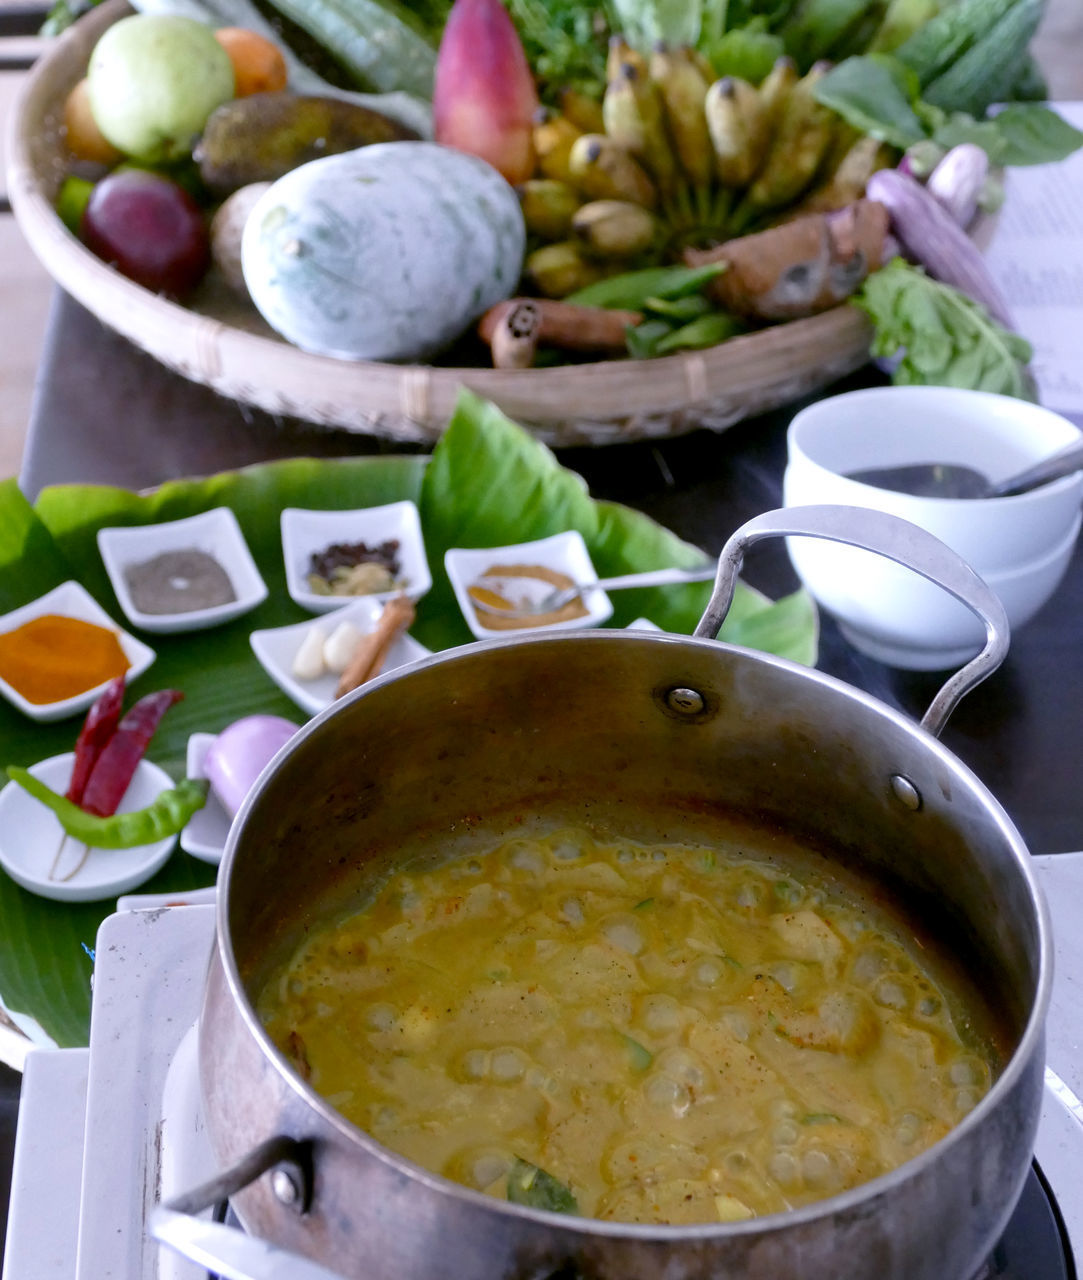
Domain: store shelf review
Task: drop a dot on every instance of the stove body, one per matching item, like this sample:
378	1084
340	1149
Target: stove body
107	1132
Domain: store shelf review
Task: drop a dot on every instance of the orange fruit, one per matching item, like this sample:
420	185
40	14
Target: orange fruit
258	64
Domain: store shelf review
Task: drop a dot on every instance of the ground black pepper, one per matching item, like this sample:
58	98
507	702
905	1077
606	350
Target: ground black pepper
179	582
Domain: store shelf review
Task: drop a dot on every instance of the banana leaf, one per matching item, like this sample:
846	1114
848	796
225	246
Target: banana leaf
487	483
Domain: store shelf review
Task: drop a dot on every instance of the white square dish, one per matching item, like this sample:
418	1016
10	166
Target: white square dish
214	533
32	839
276	649
563	553
308	532
71	600
204	835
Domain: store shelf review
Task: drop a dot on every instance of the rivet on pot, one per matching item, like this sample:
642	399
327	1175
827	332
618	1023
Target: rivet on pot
905	792
686	702
286	1189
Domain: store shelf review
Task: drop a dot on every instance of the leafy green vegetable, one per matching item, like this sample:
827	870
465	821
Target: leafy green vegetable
164	817
529	1185
817	26
945	338
879	95
876	94
748	52
1020	134
565	41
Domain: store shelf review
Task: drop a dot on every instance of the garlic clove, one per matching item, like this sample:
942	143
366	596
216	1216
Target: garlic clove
308	661
339	646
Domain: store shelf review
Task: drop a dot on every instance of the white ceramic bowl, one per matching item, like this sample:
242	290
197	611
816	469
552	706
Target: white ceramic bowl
1020	545
277	647
71	600
31	834
204	836
215	533
564	552
305	532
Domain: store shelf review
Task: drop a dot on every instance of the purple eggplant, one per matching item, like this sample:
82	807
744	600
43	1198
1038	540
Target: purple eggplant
931	236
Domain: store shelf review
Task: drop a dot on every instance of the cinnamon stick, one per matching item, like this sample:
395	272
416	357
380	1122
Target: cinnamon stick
370	654
551	322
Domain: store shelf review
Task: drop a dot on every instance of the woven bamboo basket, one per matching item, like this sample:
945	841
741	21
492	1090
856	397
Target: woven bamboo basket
217	341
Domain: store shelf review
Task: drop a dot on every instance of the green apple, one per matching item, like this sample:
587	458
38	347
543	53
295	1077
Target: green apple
153	80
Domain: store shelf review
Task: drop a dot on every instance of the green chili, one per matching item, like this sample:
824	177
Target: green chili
165	817
630	290
706	331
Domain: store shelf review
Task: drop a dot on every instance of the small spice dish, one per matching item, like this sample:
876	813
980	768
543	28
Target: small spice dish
277	648
165	574
306	533
204	835
31	836
563	559
71	600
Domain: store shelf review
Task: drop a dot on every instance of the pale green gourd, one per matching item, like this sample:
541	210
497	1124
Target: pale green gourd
389	252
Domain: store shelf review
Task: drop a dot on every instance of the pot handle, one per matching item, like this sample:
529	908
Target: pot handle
897	539
227	1251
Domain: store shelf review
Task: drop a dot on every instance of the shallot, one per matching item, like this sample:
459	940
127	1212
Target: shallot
239	754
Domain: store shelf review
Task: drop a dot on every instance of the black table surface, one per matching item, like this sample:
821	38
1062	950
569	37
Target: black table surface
106	413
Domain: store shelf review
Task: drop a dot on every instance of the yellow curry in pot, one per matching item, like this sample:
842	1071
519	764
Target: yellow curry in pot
659	1033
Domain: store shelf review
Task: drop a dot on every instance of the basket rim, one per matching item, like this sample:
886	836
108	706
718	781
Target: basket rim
765	369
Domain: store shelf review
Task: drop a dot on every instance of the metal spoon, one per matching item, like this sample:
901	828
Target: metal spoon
558	597
947	480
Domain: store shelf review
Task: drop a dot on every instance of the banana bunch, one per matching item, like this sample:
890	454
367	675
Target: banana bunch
673	157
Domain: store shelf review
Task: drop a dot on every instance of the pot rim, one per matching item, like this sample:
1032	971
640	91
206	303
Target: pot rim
1030	1041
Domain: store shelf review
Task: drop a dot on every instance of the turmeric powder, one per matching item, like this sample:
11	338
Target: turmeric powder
54	657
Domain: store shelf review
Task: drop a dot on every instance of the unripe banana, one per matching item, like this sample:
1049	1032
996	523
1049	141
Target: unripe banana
548	206
620	54
801	139
581	109
554	137
846	183
561	268
738	128
603	170
615	228
775	89
633	116
683	89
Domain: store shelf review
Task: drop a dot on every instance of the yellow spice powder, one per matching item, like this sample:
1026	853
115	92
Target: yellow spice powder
54	657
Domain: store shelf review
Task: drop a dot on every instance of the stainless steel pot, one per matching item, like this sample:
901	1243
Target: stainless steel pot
649	734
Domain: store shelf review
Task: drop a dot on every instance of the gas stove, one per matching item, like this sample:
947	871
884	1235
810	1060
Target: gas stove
108	1132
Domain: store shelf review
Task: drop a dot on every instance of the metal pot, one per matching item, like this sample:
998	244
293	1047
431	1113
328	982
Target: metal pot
647	733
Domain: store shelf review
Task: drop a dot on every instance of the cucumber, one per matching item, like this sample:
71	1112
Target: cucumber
376	46
933	48
990	67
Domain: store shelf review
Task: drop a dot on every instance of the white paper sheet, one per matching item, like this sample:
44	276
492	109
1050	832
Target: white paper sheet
1036	255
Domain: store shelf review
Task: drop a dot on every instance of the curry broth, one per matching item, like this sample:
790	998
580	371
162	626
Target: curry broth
670	1032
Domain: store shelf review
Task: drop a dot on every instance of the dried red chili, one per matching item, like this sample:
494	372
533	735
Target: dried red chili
98	727
113	770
